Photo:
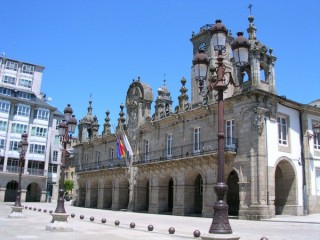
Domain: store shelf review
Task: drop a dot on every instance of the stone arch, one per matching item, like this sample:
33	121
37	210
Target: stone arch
107	193
11	191
285	186
193	193
82	193
264	69
142	191
233	199
33	192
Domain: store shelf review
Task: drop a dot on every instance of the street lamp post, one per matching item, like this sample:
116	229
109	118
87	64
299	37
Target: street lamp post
66	129
22	149
219	82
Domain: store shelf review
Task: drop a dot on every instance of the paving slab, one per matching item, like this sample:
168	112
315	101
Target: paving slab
34	225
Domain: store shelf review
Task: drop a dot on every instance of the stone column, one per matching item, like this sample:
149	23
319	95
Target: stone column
23	195
115	196
209	196
88	195
43	196
153	196
2	194
100	194
178	198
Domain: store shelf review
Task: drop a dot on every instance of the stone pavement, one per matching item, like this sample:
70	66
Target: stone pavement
34	225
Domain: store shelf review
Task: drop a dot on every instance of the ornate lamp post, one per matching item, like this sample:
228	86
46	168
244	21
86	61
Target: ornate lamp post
66	129
22	149
217	81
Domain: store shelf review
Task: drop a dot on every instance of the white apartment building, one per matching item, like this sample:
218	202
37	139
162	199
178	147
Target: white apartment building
23	108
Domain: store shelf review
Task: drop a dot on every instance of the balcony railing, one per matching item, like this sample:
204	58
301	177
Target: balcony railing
111	163
36	172
30	171
202	148
13	169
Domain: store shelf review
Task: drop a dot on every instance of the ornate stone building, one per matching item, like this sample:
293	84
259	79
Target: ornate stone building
271	153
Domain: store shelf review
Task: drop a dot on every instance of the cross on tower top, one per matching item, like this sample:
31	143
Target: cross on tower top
250	7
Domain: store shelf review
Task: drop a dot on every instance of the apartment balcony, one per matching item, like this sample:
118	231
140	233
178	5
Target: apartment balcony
191	150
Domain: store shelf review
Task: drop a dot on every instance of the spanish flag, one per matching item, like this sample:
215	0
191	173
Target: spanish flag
121	150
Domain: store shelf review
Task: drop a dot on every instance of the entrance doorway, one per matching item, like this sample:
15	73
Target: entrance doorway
233	199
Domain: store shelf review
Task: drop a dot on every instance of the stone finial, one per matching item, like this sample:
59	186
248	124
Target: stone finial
183	98
106	125
251	29
121	114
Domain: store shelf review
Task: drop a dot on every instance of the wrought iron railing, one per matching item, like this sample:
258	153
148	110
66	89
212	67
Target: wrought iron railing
184	151
13	169
110	163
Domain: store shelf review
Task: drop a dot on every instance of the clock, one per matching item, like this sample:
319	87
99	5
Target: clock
202	46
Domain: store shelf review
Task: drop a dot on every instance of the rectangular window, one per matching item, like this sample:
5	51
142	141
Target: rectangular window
86	160
3	125
283	130
9	79
10	65
37	148
24	95
23	110
146	150
39	131
6	91
316	141
55	156
4	107
230	141
56	140
111	153
196	140
57	124
318	181
19	128
25	83
169	145
27	69
42	114
52	168
97	158
2	143
13	146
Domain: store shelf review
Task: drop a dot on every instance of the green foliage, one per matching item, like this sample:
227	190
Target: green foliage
68	185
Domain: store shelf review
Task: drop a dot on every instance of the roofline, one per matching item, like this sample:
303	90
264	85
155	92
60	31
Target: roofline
1	57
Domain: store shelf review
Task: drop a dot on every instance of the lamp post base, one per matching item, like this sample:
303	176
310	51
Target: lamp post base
59	223
211	236
16	212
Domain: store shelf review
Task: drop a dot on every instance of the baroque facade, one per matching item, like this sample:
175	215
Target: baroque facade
271	154
23	108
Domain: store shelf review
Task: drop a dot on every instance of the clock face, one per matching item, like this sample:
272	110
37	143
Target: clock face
202	46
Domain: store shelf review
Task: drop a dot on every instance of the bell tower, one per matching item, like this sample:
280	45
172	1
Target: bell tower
259	74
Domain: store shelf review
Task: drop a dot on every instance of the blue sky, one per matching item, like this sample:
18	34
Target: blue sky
96	47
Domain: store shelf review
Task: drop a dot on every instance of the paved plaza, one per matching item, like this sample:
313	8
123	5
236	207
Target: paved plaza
33	226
